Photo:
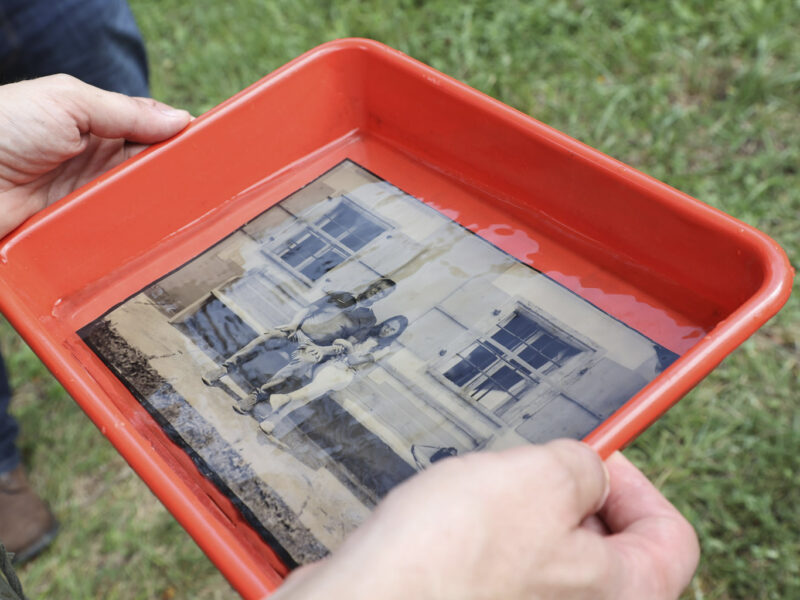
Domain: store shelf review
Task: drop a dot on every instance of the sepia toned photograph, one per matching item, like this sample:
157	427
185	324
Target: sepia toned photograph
351	336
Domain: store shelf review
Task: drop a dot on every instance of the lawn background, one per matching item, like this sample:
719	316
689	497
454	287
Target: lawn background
702	95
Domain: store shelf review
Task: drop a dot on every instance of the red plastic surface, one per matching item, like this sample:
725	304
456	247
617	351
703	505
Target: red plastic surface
691	278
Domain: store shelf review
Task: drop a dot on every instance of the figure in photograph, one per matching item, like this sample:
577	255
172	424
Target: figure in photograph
335	316
334	369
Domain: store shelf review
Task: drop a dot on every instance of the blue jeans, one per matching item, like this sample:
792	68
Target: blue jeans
96	41
9	455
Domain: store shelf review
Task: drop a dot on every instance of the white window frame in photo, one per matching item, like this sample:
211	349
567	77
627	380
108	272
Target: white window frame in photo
277	247
555	381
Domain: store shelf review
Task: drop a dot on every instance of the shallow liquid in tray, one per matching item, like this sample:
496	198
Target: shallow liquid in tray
352	335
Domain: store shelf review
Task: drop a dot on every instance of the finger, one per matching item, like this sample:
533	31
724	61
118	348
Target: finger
112	115
572	474
584	486
656	547
632	498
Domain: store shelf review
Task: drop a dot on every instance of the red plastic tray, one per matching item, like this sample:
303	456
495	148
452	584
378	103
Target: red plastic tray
686	275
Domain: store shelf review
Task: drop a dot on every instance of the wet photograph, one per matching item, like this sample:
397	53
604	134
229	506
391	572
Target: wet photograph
350	336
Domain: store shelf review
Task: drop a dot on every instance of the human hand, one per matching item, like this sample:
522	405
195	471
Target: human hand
341	346
309	353
57	133
288	331
538	522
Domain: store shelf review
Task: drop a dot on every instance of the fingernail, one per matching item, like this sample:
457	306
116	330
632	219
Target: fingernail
175	113
606	475
607	491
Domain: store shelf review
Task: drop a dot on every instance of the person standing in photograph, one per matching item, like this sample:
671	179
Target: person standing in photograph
336	315
346	360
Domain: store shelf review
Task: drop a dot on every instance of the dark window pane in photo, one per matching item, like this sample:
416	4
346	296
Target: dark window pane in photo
346	216
561	352
533	358
348	225
541	342
506	339
502	381
549	347
568	353
334	229
521	326
362	235
217	330
482	356
506	377
321	265
355	242
302	249
461	373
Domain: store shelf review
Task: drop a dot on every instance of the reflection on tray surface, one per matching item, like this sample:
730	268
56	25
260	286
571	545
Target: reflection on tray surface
350	336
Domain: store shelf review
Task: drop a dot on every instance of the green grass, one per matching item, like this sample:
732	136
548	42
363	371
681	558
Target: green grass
701	95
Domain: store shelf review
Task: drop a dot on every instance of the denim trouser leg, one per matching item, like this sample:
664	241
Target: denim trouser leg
9	455
97	41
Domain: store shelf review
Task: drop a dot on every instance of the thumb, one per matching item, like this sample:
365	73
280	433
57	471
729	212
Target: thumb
656	546
581	483
111	115
565	478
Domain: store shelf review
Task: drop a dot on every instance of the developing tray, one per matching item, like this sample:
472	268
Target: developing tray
610	255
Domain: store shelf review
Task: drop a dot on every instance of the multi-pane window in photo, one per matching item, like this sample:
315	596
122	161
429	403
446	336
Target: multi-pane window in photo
321	247
498	370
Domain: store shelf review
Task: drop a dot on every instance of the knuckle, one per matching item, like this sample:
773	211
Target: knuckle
559	463
67	87
62	79
556	461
